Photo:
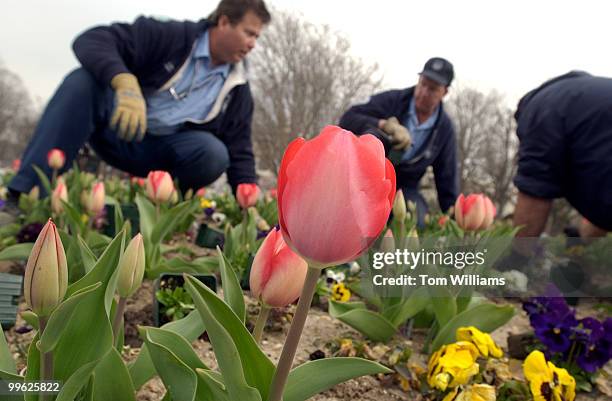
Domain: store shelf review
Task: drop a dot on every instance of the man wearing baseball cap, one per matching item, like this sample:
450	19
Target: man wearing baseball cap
416	133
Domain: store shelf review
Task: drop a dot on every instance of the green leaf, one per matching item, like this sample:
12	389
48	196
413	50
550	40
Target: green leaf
409	307
313	377
14	378
44	180
33	371
371	324
7	363
146	212
74	218
76	382
169	220
175	362
61	315
210	387
232	292
485	317
17	252
30	318
245	368
443	303
190	328
87	256
112	379
203	265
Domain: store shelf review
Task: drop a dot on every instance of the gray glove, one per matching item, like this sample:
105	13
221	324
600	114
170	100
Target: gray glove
400	136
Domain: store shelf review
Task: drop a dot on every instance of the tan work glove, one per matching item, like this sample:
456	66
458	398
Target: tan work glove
130	114
400	137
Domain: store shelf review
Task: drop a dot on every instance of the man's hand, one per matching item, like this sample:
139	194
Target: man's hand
130	114
400	137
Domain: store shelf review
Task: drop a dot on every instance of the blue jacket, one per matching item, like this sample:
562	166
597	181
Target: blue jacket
440	150
153	51
565	132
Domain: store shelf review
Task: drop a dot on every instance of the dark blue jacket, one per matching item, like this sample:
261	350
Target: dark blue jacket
153	51
440	150
565	132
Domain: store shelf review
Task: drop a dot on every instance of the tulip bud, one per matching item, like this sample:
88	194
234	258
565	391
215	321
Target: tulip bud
201	192
247	194
387	243
34	193
16	165
474	212
95	199
277	273
46	274
60	193
174	197
56	158
131	267
159	186
490	212
189	194
399	206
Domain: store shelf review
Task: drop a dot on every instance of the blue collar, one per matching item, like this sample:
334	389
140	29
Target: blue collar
429	123
202	51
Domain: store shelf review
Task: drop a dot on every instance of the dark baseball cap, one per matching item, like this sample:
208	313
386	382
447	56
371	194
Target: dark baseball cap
439	70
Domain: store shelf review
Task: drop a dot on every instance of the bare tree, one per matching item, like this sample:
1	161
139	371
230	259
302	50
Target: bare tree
304	77
18	116
487	143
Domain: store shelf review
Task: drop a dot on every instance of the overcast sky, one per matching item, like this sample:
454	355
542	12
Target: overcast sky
510	46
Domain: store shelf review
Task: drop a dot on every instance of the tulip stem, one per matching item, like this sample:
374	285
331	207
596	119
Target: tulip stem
293	337
118	318
245	220
262	318
46	360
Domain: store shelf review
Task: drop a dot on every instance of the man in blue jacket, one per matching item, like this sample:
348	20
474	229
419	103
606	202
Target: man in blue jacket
157	95
565	132
416	133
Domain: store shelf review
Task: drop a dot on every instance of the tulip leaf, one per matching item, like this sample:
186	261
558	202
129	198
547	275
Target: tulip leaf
13	378
232	292
485	317
169	220
174	343
180	380
313	377
61	315
371	324
112	379
444	305
203	265
210	387
76	382
247	372
190	327
74	218
146	213
87	256
17	252
44	180
33	371
7	363
30	318
87	336
409	307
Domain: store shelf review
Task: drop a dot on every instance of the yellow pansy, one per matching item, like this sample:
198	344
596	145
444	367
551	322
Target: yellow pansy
340	293
546	381
475	392
84	218
452	365
206	203
482	341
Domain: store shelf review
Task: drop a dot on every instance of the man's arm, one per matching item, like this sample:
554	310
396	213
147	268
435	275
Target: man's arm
532	214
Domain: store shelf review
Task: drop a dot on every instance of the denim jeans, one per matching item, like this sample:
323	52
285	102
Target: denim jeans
79	112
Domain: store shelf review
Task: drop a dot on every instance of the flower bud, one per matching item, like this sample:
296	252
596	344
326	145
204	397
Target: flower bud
60	193
247	194
474	212
95	199
201	192
16	165
46	274
174	197
278	273
131	267
399	206
159	186
34	193
56	158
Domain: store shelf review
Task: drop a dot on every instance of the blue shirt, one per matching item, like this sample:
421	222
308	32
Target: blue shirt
419	133
191	97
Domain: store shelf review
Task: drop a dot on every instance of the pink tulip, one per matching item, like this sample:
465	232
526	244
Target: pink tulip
95	199
56	158
335	193
16	165
247	194
273	193
474	212
277	273
60	193
159	186
46	273
201	192
138	181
